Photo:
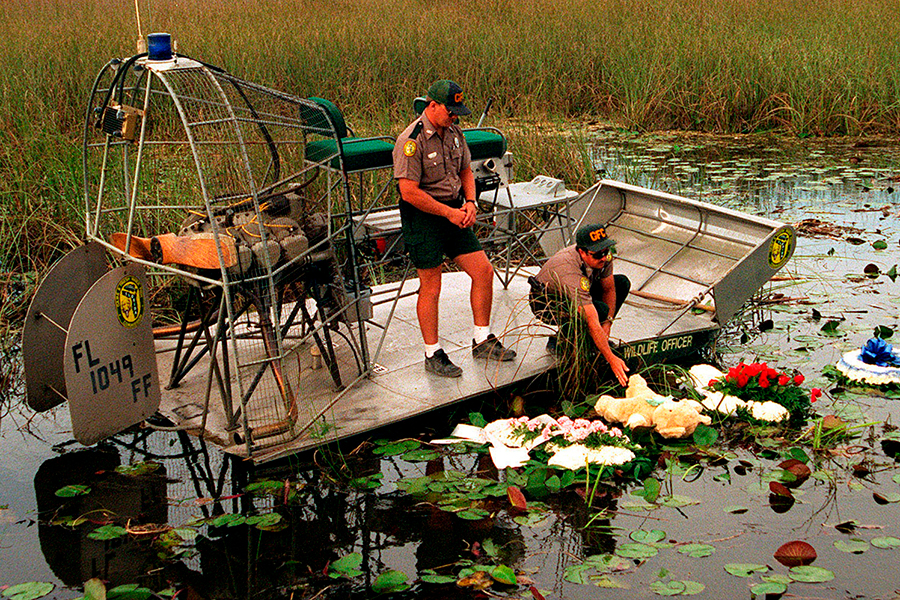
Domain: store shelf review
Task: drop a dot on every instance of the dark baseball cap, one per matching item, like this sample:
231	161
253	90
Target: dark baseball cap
449	94
593	238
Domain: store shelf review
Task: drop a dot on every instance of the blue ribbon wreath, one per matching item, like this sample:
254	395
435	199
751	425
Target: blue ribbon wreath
880	353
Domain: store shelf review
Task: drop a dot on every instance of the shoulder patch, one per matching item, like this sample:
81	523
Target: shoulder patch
409	148
585	284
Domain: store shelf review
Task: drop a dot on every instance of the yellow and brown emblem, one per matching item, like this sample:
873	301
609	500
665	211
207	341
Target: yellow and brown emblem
130	301
781	247
409	148
585	284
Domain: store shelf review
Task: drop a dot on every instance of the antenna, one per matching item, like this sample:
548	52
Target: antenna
141	43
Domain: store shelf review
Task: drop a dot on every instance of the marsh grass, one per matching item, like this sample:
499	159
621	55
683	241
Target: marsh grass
710	65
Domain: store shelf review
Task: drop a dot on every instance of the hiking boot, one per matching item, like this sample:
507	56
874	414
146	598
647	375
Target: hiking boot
492	349
440	364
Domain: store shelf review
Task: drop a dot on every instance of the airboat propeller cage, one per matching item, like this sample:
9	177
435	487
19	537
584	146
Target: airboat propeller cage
177	150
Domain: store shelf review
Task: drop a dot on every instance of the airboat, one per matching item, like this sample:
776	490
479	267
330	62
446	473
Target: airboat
243	276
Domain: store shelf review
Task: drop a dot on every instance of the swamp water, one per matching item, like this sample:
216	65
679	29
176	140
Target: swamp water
140	513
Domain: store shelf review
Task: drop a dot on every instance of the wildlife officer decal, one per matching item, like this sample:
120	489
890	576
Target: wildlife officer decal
782	247
130	301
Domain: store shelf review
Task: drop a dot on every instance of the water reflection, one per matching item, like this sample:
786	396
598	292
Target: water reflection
136	501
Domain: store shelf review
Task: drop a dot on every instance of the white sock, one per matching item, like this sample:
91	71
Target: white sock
481	333
430	349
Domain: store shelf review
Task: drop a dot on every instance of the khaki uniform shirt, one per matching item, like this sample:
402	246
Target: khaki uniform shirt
566	274
431	160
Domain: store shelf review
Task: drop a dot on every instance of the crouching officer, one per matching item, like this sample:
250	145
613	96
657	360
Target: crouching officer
582	276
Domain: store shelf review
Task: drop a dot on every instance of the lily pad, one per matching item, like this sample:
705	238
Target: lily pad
432	577
886	542
745	569
70	491
763	589
390	581
696	550
608	563
421	455
852	546
532	519
677	588
795	554
504	574
346	566
107	532
129	591
31	590
808	574
647	537
636	550
396	448
473	514
677	501
577	574
668	588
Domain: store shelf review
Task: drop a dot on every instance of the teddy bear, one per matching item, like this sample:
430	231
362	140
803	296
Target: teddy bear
677	419
642	407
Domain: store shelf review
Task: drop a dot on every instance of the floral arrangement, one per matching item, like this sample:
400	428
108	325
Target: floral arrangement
759	386
570	443
874	364
879	353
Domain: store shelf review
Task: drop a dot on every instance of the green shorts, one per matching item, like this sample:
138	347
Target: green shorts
428	238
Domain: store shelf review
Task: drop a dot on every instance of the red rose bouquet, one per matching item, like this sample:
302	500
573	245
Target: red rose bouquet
760	383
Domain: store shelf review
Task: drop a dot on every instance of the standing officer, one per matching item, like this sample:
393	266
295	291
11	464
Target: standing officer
437	211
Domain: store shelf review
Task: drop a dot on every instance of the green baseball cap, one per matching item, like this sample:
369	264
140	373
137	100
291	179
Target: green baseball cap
593	238
449	94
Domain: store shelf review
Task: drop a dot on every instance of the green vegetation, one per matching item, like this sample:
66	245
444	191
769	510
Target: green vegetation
808	68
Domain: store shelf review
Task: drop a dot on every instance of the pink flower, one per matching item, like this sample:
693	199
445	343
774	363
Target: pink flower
814	394
784	380
798	379
763	381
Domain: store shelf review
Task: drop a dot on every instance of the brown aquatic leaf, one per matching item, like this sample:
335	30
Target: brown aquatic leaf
479	580
780	490
833	422
798	469
536	594
879	499
795	554
861	470
846	527
516	498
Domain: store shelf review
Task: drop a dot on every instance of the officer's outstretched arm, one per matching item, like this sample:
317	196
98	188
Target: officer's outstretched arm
601	340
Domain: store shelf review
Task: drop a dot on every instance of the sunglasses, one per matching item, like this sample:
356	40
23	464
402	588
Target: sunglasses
606	253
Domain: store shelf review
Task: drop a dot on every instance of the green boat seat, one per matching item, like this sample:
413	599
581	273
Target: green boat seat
359	154
485	143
